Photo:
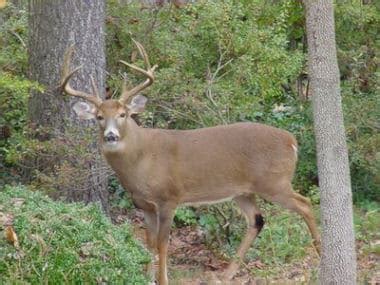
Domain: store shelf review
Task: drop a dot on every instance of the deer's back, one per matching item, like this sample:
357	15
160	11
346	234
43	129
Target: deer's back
223	159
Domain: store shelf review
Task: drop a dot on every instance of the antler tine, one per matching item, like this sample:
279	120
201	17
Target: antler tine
142	53
66	76
124	86
94	87
149	73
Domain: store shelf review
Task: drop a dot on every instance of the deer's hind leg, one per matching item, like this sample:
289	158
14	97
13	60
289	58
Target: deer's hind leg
286	197
255	222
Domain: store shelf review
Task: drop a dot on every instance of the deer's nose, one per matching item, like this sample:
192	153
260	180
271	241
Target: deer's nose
111	137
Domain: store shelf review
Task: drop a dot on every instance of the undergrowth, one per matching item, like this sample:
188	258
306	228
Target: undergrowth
284	246
63	243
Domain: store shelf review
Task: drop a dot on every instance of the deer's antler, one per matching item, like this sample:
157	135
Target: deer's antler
66	76
149	73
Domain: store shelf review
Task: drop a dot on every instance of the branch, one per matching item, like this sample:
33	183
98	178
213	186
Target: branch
19	38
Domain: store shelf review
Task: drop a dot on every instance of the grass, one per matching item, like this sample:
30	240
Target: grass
284	241
284	246
283	251
62	243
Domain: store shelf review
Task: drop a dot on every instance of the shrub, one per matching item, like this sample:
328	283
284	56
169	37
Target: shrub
216	63
66	243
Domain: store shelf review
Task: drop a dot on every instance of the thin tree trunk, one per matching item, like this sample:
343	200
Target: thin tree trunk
54	26
338	263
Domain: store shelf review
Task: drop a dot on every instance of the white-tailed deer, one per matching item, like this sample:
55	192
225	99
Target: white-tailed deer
166	168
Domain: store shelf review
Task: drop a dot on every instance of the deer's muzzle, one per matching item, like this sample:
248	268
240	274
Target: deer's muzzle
111	138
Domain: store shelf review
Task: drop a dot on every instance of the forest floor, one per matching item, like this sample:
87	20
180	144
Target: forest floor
192	262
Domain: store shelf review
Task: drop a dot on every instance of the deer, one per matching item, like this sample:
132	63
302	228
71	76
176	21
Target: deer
163	169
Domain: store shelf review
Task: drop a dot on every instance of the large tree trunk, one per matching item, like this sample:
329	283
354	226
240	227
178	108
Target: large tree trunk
54	26
338	264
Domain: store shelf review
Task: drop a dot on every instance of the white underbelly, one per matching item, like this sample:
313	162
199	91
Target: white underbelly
207	202
197	197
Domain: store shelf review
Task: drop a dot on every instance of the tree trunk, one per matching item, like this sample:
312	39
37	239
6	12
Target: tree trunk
338	263
53	27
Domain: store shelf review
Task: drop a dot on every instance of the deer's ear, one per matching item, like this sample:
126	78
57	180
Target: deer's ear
137	104
84	110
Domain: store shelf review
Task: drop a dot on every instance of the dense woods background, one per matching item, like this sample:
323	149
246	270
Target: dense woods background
219	62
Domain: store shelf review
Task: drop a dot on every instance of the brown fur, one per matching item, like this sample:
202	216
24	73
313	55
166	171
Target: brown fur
166	168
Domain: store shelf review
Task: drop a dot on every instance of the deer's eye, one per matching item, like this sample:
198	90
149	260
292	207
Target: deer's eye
99	118
122	115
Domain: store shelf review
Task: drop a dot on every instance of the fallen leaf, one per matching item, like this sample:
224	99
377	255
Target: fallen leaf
11	236
3	3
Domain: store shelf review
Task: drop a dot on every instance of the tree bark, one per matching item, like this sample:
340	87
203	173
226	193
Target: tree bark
54	26
338	260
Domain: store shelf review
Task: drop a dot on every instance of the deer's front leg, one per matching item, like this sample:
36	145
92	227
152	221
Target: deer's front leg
165	219
151	222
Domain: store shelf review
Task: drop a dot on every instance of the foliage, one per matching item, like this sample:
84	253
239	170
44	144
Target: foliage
359	58
362	127
185	216
283	238
358	52
13	100
367	223
221	65
120	199
66	243
242	61
13	31
14	87
13	104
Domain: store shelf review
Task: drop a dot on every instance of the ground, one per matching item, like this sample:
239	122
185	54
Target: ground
192	262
